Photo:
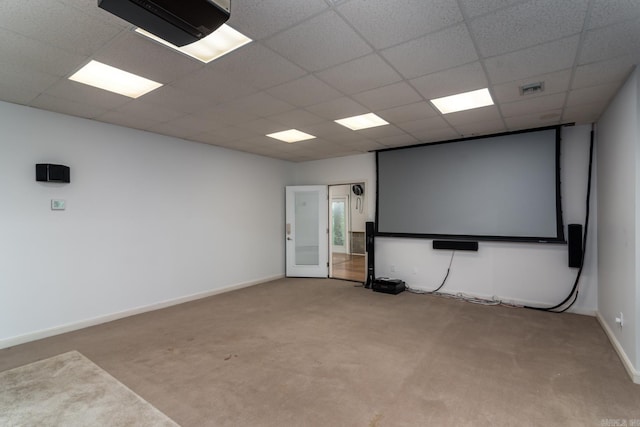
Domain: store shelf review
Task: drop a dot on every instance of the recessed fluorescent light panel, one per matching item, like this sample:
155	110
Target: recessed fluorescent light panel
222	41
363	121
291	136
463	101
113	79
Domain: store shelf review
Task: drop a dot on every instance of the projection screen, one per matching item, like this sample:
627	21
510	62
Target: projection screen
500	187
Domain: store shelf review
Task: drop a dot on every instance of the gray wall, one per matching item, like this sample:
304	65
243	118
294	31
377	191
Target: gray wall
618	217
150	220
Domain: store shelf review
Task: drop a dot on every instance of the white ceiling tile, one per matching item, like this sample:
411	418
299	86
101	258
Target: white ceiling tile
553	83
435	52
254	90
195	124
607	12
361	74
593	94
583	114
140	55
258	66
407	113
43	19
260	104
480	128
385	23
66	106
419	126
542	59
296	118
304	92
29	53
365	146
610	42
260	19
214	140
17	95
125	120
381	132
321	42
527	24
85	94
529	106
388	96
90	7
342	136
489	113
176	99
476	8
263	126
170	129
148	111
597	73
531	121
436	135
225	114
455	80
217	88
353	140
26	77
327	129
338	108
231	133
397	140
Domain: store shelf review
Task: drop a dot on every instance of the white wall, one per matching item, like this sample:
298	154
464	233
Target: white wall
342	170
619	218
530	273
149	219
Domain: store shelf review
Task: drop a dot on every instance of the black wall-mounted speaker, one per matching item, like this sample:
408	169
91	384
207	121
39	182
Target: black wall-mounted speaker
456	245
576	251
47	172
370	248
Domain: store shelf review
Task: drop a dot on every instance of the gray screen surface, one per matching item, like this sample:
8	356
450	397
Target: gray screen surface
502	186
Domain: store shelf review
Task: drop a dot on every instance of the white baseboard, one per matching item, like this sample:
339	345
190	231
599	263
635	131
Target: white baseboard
69	327
631	370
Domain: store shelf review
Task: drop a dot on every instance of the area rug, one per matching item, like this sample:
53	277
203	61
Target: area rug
70	390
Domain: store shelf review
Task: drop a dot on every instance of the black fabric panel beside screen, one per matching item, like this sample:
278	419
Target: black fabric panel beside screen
500	187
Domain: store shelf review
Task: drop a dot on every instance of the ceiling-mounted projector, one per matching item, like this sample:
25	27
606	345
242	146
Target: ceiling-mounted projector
179	22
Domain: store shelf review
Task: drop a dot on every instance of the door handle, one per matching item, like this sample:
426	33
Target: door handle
289	238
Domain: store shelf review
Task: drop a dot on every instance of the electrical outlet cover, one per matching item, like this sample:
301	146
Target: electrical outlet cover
58	205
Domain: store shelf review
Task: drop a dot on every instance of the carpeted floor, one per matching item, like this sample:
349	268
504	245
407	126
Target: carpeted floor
68	390
325	353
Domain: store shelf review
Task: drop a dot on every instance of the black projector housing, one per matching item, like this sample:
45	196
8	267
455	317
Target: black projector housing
179	22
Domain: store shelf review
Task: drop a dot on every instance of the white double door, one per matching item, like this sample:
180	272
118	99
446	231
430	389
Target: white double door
307	231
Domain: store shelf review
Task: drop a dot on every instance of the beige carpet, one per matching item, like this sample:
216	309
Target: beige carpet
313	352
70	390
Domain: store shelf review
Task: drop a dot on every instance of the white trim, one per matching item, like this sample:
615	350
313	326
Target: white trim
631	370
69	327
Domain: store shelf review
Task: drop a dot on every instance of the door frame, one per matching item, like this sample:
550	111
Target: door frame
365	205
292	269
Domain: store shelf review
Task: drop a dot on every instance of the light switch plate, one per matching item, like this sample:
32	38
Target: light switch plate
58	205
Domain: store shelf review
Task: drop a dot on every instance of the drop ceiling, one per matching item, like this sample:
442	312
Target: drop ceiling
315	61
